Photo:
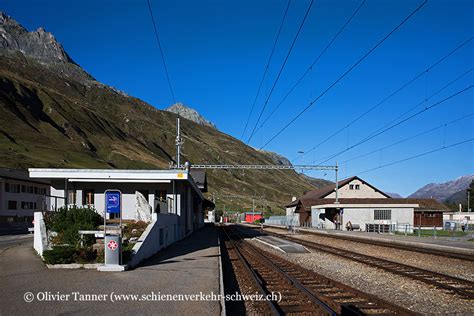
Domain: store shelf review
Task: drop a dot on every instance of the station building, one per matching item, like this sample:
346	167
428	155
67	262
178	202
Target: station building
143	192
20	197
366	207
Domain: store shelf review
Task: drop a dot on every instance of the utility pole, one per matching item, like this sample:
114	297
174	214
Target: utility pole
337	183
468	200
179	143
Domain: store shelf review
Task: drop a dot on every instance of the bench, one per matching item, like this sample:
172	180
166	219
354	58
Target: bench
353	227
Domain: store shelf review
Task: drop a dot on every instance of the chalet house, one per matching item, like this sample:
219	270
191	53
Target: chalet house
365	207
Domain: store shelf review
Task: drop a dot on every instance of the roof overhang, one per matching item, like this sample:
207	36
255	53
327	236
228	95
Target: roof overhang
115	176
118	174
352	205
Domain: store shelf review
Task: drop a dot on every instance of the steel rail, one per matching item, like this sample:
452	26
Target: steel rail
459	286
338	296
321	307
271	305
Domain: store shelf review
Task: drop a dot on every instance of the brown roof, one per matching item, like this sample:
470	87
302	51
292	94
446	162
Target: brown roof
424	204
326	190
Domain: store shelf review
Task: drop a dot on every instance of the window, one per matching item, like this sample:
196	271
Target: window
382	214
351	187
12	188
36	190
357	187
12	205
23	188
28	205
30	189
88	197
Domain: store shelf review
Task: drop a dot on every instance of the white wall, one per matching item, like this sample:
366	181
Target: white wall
290	210
362	216
40	239
364	192
149	242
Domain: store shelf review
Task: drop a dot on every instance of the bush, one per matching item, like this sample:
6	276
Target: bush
134	229
68	222
59	255
85	255
127	250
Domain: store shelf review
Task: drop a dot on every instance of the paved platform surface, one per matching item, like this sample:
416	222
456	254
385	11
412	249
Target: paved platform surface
456	242
187	267
282	244
443	244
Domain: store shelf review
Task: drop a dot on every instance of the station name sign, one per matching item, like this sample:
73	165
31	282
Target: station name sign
113	202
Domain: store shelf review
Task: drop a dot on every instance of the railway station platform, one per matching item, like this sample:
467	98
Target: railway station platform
440	244
188	267
283	245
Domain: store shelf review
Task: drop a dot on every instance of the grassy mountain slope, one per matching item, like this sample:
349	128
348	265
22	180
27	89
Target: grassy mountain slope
49	120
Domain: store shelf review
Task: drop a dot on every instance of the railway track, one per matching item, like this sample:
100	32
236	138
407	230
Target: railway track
453	285
302	291
435	252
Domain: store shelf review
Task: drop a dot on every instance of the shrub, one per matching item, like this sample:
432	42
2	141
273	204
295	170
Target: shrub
127	250
68	222
134	229
59	255
85	255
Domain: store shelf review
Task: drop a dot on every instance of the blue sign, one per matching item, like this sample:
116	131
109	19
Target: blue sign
112	202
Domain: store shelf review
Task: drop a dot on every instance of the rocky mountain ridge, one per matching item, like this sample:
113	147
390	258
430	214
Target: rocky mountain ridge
190	114
442	191
52	116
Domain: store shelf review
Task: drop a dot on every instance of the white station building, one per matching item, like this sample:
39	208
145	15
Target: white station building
143	192
365	207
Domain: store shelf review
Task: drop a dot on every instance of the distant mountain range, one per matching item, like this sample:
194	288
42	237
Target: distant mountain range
453	191
54	114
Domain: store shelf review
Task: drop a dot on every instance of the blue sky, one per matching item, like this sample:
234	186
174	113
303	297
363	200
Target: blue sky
216	52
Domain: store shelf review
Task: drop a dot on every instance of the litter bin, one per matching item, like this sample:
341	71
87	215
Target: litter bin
113	249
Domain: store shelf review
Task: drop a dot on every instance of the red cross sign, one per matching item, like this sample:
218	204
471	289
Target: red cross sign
112	245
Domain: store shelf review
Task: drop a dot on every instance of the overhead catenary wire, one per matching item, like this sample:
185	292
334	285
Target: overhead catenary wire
444	125
281	69
393	93
161	52
400	122
345	74
417	156
266	69
423	101
310	68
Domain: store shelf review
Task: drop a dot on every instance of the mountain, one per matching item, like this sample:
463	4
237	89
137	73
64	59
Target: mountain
457	198
189	114
54	114
316	182
442	191
394	195
276	158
